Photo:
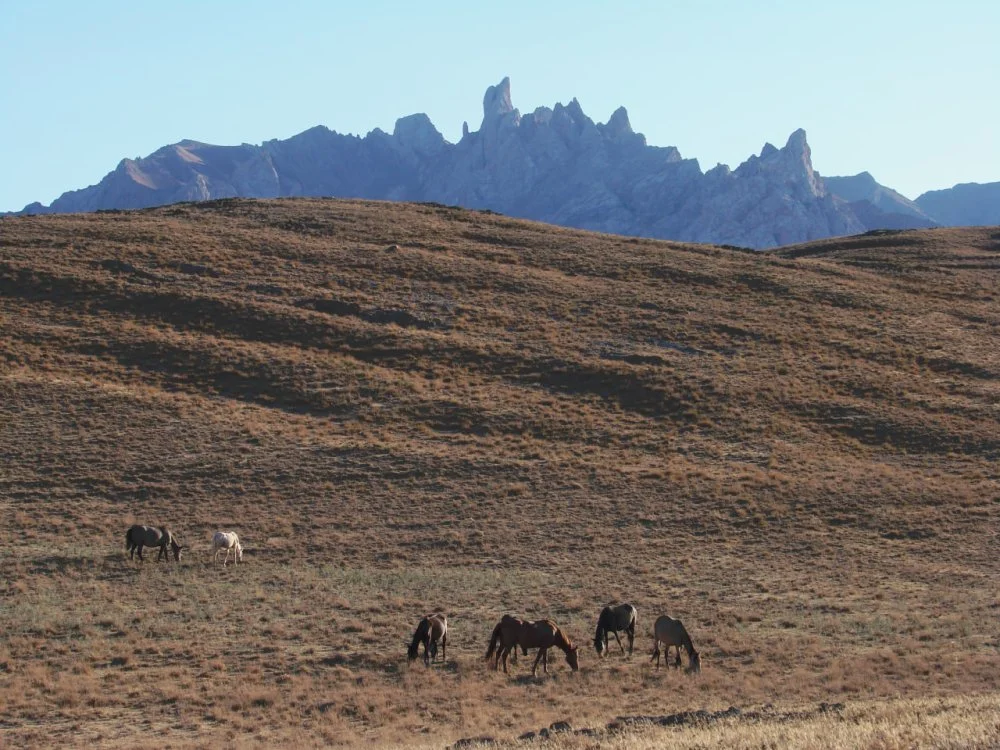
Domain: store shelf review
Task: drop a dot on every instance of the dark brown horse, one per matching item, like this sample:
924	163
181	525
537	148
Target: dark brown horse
138	537
612	619
512	632
671	632
431	629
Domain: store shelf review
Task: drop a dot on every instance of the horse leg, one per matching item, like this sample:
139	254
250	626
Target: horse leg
631	637
619	642
444	648
656	653
677	661
541	653
139	550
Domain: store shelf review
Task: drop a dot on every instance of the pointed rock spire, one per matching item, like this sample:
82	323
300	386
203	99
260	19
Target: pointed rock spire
618	123
797	155
499	116
496	102
797	142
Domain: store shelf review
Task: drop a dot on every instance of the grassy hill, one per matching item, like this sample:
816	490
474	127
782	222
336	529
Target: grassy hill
403	408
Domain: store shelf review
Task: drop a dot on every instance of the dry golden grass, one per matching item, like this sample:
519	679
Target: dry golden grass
795	453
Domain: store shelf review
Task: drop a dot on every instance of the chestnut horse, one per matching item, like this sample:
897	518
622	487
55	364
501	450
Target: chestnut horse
431	629
671	632
512	653
512	632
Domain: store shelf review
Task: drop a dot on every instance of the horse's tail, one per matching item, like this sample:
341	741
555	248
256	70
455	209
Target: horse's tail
494	641
128	537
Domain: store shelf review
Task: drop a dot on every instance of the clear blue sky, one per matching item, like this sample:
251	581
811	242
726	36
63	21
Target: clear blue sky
905	90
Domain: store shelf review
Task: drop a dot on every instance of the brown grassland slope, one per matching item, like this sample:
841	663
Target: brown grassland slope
403	408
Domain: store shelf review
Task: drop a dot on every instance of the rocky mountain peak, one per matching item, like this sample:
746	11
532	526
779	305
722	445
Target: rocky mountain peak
618	123
797	142
417	133
496	102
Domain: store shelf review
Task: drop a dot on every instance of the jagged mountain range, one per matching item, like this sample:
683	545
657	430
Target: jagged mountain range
554	164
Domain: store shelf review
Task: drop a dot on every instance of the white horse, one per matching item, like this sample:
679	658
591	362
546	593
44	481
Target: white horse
228	541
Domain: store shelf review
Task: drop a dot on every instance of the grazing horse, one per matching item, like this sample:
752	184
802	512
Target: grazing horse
671	632
511	622
138	537
430	630
228	541
511	633
611	620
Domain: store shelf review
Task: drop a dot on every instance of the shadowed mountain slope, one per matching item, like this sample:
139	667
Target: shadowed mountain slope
969	203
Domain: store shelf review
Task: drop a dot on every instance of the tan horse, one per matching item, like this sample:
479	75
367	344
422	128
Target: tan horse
512	632
431	629
671	632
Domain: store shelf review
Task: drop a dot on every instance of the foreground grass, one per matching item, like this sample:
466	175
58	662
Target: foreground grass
965	722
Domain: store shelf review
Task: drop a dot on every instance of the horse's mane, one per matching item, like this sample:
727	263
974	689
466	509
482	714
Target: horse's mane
604	622
561	640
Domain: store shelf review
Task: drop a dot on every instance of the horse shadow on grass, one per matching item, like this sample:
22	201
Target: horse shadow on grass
381	664
528	679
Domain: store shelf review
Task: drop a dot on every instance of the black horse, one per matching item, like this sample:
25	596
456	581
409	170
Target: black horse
138	537
614	618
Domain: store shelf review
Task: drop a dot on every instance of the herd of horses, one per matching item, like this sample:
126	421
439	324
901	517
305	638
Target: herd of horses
139	536
513	633
509	635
